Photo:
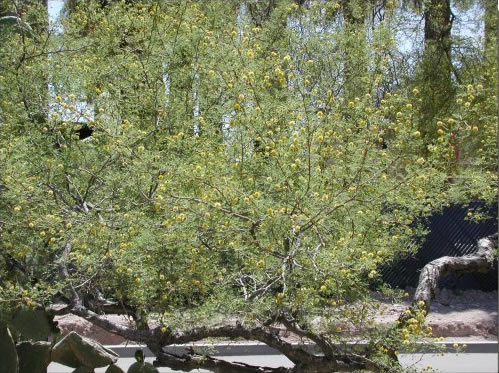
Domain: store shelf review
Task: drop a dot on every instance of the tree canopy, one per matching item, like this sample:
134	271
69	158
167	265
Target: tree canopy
238	163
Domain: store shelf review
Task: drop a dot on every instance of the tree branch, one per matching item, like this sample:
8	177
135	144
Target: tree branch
235	330
192	362
156	339
319	364
131	334
293	327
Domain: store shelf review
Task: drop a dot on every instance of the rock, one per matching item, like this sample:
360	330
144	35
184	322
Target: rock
10	361
76	351
34	357
114	369
69	323
453	327
444	297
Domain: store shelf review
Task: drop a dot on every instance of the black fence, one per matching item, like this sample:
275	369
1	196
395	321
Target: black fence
451	234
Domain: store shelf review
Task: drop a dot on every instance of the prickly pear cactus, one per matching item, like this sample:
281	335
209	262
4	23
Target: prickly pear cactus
114	369
140	366
33	324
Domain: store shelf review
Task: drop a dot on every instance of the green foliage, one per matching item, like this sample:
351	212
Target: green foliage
228	172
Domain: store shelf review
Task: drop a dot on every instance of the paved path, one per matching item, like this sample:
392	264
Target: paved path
449	363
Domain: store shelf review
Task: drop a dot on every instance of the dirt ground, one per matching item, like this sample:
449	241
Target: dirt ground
470	315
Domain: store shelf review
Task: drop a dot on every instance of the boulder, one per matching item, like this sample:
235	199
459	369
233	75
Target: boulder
10	362
76	351
70	323
34	357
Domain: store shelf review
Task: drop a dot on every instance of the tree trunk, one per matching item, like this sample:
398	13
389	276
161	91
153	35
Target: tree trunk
437	87
490	29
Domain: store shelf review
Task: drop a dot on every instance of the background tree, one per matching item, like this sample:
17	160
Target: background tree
438	88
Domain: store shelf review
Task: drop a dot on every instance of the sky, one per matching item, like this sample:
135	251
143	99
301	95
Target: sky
54	9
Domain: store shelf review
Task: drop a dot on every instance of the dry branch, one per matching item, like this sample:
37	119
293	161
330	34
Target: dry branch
480	261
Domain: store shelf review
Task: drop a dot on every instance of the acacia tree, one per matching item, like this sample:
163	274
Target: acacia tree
180	221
